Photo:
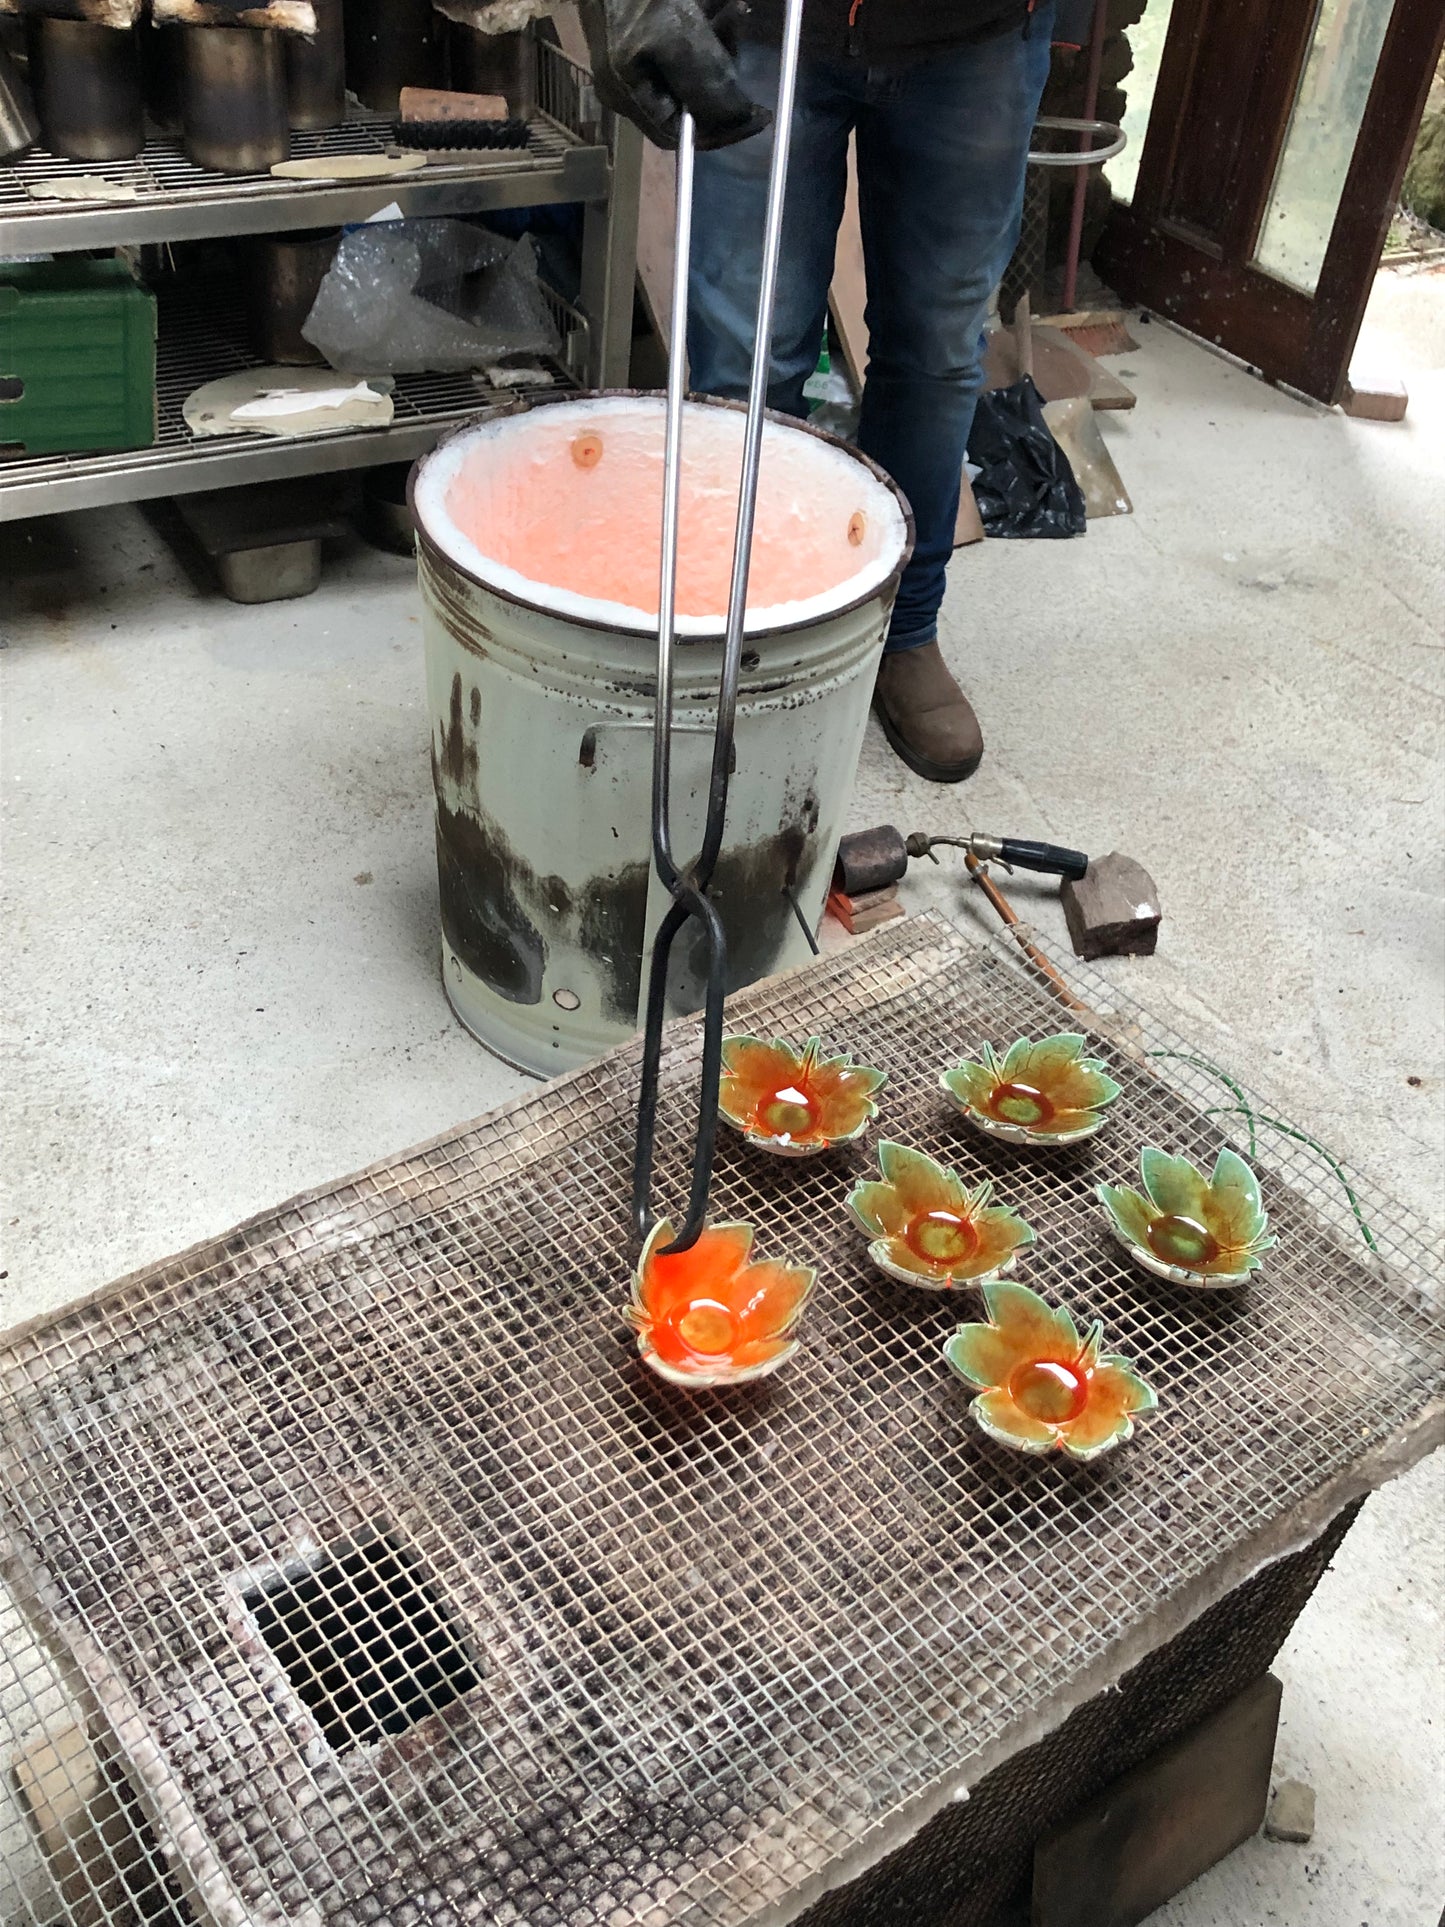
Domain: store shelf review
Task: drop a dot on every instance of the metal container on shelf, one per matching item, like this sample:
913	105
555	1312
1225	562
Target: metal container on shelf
160	66
538	532
494	63
233	99
285	271
19	122
87	86
391	44
385	518
316	70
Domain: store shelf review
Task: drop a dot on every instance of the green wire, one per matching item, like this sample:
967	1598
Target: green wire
1244	1109
1302	1137
1203	1064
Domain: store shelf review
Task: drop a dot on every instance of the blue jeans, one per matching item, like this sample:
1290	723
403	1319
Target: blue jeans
941	154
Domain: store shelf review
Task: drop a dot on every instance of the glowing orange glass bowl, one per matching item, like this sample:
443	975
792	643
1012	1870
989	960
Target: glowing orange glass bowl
1036	1093
714	1315
1041	1387
1209	1233
793	1103
927	1228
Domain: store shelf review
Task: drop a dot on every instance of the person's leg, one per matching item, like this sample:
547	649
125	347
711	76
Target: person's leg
941	156
729	210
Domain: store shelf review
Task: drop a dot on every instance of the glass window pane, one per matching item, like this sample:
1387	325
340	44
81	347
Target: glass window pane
1146	46
1328	110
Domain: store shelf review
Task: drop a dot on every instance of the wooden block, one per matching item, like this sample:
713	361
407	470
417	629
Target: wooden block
1113	910
656	215
866	912
848	296
1380	399
968	527
865	900
79	1824
1062	370
1160	1826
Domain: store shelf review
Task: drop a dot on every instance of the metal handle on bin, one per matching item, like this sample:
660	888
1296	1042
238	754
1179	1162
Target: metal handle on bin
688	890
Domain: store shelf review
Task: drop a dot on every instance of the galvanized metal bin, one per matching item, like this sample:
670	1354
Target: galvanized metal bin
541	693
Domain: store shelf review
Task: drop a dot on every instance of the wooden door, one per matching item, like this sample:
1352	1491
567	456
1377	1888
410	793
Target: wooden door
1271	165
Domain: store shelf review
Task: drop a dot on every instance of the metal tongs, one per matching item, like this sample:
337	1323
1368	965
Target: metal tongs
688	888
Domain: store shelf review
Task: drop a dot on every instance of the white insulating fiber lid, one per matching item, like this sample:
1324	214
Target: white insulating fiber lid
560	506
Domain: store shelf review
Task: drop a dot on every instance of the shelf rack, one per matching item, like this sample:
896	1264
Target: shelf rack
576	153
202	334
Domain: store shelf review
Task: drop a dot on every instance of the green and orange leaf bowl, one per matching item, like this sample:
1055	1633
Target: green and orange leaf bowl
795	1103
1044	1093
714	1314
1209	1233
1041	1387
926	1227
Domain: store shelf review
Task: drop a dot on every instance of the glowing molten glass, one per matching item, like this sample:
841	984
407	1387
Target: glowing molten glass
712	1315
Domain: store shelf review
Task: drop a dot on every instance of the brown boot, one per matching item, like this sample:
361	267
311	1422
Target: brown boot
926	716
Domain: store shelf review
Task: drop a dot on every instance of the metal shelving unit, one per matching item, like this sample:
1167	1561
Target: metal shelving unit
177	201
575	154
202	334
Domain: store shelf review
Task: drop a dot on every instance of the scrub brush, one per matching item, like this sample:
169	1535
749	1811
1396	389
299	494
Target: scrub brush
434	119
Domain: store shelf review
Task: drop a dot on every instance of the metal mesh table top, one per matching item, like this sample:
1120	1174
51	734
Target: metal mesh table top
408	1595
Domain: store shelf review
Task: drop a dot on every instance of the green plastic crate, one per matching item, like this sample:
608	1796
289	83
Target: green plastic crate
77	357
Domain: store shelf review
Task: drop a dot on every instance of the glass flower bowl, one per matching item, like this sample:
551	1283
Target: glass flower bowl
1041	1387
1044	1093
795	1103
712	1315
927	1228
1207	1232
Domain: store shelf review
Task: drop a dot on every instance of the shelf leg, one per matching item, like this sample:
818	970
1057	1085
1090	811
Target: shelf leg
609	263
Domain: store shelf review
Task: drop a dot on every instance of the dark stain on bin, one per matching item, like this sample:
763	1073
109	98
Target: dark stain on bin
456	757
481	880
612	929
482	914
748	886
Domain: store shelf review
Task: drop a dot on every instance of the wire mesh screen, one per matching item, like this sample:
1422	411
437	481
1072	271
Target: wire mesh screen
378	1581
977	1854
1028	264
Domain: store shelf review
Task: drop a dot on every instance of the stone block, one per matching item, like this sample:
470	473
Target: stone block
1291	1813
1142	1840
1113	910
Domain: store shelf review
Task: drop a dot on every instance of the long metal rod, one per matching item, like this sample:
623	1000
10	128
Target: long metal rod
1081	179
1056	983
690	901
753	441
671	498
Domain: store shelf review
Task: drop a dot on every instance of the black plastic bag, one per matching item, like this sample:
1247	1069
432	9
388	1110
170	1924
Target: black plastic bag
1025	485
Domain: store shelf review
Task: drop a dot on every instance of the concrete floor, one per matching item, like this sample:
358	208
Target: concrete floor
219	965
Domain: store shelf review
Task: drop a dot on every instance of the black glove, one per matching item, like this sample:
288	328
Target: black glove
652	58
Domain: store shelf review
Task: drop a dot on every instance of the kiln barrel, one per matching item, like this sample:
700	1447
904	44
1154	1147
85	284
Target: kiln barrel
538	536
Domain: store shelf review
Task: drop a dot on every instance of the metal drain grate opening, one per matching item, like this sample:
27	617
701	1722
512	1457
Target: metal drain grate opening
365	1641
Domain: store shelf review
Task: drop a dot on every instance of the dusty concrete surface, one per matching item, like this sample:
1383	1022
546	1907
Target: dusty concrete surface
219	962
